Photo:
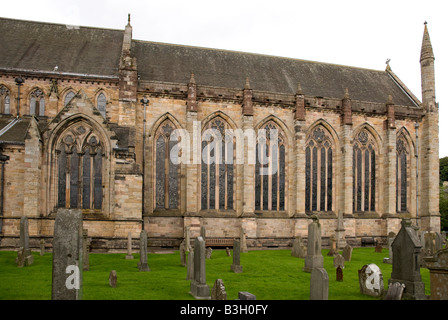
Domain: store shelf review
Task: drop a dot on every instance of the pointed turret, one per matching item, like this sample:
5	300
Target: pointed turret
300	104
248	109
127	38
192	104
427	72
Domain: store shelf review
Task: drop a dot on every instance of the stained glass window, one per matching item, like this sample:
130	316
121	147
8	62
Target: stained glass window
80	170
166	171
364	172
37	103
217	166
5	100
402	174
270	168
319	171
101	103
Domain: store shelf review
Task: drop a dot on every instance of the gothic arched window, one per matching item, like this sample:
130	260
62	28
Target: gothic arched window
364	172
37	103
80	169
101	103
217	166
167	182
270	168
402	174
5	106
69	96
319	171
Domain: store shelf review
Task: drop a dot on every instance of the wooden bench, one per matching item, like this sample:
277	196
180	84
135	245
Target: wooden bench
218	242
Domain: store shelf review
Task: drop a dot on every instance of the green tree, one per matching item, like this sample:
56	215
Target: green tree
443	162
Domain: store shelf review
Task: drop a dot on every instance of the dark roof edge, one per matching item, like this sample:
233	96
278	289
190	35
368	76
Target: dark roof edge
403	87
53	73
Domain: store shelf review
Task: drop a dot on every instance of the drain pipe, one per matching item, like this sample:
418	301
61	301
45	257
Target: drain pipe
416	172
3	159
144	102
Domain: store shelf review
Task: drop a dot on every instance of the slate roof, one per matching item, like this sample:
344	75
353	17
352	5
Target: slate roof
42	46
13	131
96	51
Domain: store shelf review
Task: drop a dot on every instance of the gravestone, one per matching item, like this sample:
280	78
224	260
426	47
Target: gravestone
244	295
203	232
182	254
26	258
371	280
243	242
395	291
219	291
339	274
340	231
85	250
236	267
187	239
208	253
378	248
113	279
338	261
438	270
228	251
129	256
42	247
198	286
390	239
67	255
406	262
314	258
319	284
347	253
143	264
298	248
333	249
190	265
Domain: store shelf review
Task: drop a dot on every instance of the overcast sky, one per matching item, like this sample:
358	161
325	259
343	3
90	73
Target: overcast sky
355	33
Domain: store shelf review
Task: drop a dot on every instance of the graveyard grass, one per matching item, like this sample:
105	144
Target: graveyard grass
268	274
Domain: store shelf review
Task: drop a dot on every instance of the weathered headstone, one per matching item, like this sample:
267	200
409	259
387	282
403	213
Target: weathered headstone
42	247
378	248
244	295
228	251
333	249
339	274
129	256
371	280
340	231
190	265
298	248
219	291
243	241
438	270
314	258
187	239
27	258
67	255
113	279
406	262
429	248
208	253
143	264
198	286
338	261
395	291
236	267
85	250
203	233
390	239
182	253
319	284
347	253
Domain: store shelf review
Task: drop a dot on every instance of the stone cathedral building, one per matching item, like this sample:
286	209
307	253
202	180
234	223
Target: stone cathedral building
93	119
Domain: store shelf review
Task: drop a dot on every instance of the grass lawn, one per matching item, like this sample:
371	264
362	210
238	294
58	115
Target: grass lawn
268	274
